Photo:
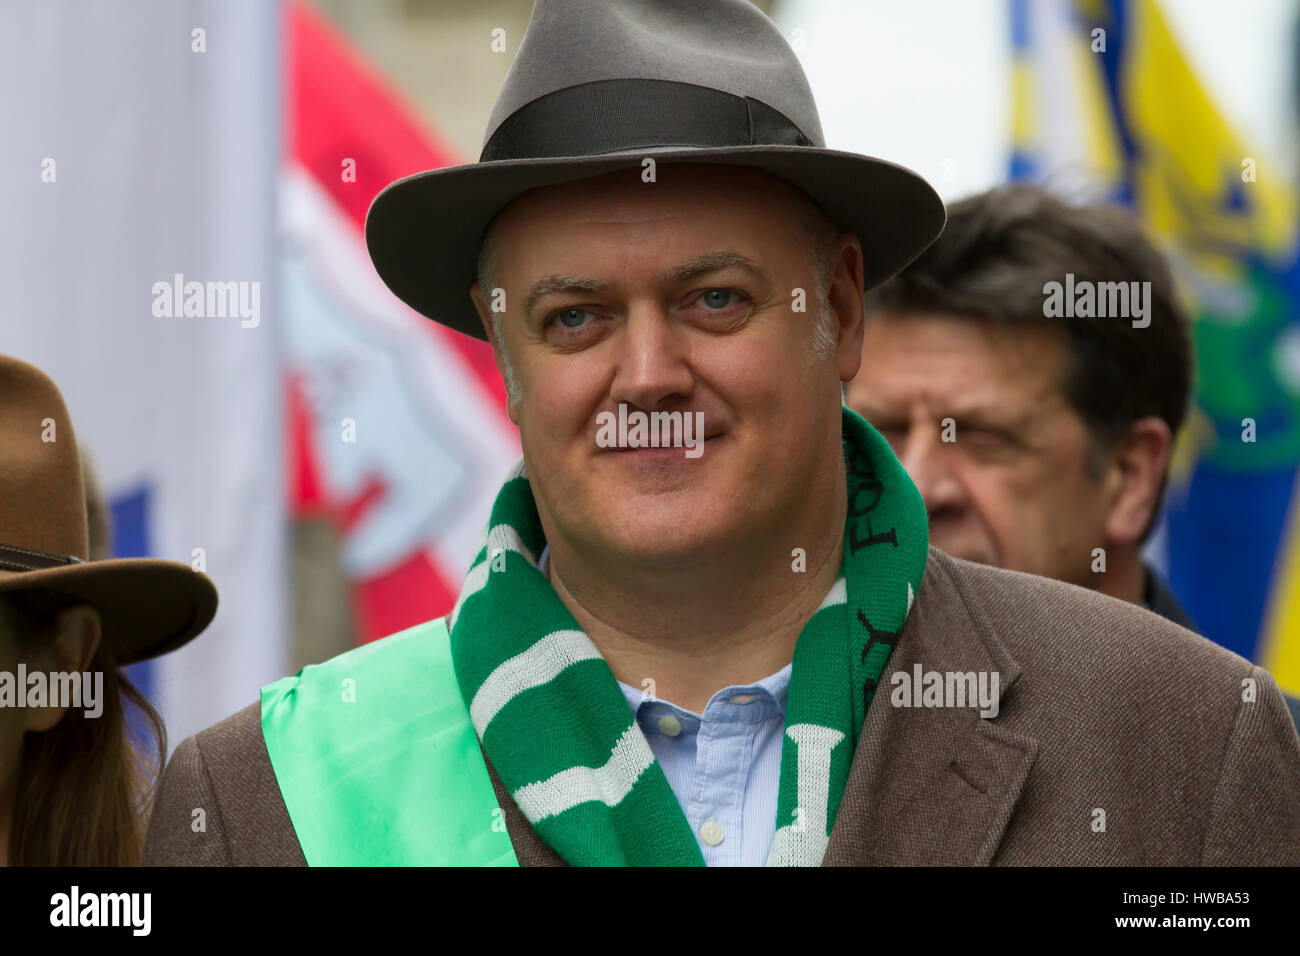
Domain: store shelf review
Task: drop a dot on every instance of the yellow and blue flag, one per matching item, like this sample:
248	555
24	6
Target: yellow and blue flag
1104	101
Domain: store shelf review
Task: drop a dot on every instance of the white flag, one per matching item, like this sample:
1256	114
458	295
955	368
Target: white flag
137	179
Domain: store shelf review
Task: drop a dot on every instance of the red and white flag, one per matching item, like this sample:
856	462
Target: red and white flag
398	425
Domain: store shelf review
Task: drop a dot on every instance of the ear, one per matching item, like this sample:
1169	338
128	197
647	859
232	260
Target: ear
845	301
77	633
485	317
1133	476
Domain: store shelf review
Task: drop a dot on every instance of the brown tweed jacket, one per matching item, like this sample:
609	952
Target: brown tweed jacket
1104	707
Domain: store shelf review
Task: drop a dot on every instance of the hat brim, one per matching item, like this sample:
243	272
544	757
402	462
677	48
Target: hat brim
423	232
146	607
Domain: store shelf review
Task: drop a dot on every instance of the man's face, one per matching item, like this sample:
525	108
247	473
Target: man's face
1013	487
621	291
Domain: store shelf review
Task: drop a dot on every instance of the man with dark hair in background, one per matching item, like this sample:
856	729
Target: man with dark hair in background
1039	438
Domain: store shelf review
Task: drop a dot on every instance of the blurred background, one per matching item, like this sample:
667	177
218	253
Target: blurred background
329	457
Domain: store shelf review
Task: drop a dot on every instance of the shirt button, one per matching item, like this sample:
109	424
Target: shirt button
711	833
670	725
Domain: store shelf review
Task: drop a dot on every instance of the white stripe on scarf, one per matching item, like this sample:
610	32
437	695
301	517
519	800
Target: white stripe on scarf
803	843
838	594
608	784
501	538
538	665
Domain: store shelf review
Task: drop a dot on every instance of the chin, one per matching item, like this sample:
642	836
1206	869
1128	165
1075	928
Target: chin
667	526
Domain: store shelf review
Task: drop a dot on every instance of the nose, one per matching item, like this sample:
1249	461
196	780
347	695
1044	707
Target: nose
931	464
652	361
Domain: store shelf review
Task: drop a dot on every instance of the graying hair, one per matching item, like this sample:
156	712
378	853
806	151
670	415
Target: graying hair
820	233
487	279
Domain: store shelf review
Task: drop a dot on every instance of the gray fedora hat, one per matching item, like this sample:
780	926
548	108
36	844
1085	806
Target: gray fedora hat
599	85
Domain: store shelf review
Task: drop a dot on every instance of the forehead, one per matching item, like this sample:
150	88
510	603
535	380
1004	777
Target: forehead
959	362
687	204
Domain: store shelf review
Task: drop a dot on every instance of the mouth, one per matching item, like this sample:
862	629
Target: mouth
668	451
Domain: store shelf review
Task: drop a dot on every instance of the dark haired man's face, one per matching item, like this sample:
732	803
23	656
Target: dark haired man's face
1012	487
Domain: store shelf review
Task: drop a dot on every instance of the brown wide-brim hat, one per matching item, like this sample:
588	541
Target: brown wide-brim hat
602	85
146	606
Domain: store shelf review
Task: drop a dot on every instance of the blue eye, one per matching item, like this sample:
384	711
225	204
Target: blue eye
567	314
709	298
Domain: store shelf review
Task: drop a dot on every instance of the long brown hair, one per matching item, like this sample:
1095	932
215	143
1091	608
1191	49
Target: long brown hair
84	785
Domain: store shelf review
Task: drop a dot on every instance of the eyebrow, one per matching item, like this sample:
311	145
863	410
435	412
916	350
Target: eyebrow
693	267
977	415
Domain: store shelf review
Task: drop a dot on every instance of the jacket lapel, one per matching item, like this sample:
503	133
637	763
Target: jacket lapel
933	785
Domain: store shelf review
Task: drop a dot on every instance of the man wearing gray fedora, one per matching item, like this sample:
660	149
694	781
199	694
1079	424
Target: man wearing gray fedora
733	645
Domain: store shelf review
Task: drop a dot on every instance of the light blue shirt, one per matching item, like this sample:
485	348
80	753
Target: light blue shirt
724	765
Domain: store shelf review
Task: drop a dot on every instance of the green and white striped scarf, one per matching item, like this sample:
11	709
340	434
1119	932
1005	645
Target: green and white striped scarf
559	731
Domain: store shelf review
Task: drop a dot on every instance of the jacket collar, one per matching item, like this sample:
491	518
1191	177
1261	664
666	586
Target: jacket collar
930	785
